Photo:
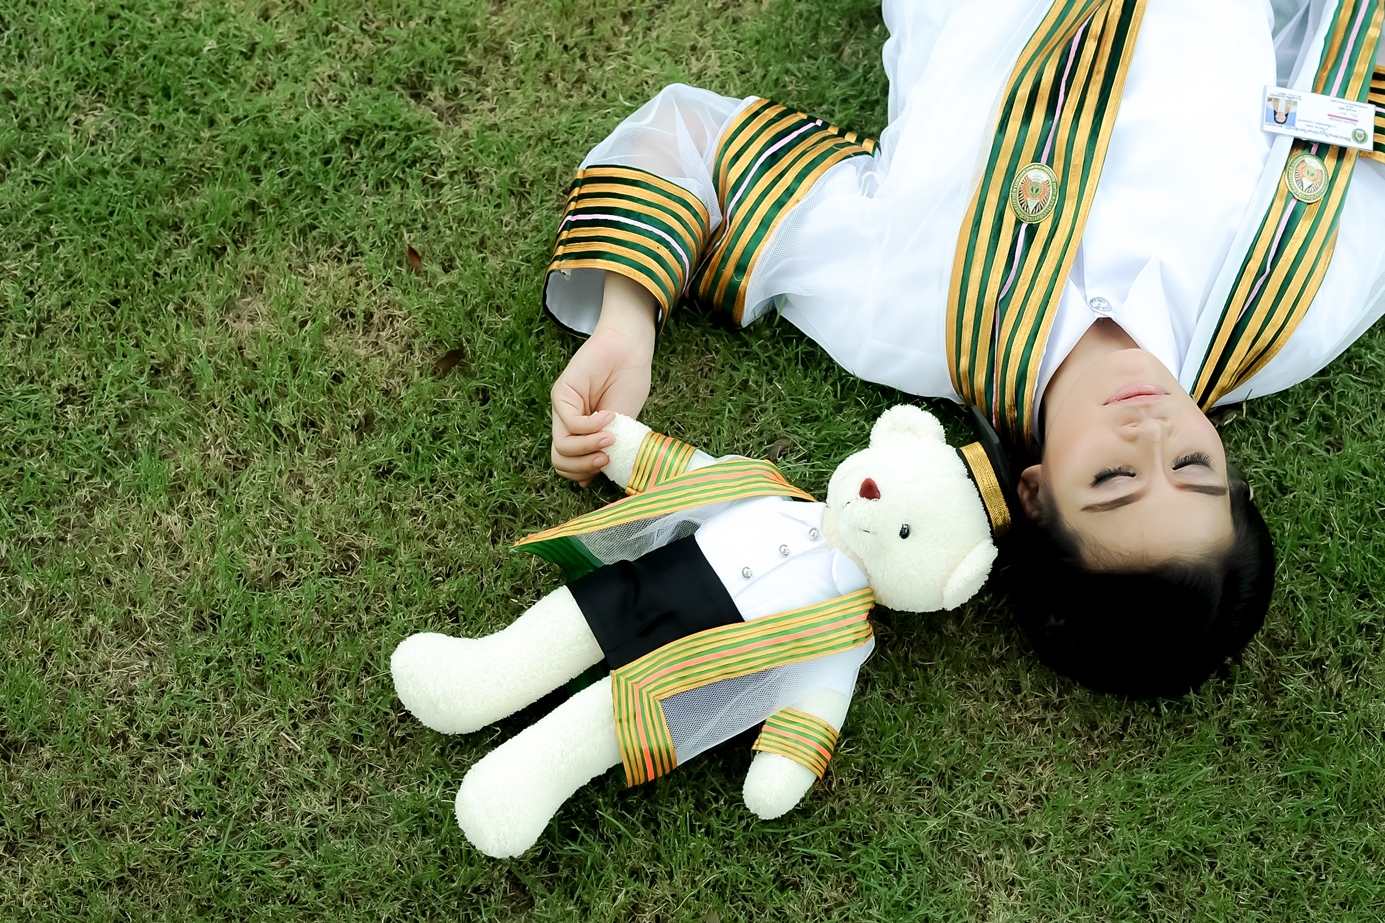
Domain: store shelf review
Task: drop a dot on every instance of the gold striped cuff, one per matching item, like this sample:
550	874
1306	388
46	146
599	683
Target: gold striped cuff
636	224
767	159
988	485
806	739
659	458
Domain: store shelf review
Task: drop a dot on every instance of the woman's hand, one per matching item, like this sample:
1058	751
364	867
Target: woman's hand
610	372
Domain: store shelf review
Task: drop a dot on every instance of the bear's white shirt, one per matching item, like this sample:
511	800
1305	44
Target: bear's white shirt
771	556
753	536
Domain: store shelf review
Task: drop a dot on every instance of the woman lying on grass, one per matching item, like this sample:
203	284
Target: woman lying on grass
973	254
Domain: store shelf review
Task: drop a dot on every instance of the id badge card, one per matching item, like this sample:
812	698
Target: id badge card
1314	117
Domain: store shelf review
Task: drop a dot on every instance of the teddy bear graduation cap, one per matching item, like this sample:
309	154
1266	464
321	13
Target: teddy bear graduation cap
990	471
720	597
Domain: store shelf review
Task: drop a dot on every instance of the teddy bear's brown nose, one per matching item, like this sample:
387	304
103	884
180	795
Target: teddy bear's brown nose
869	490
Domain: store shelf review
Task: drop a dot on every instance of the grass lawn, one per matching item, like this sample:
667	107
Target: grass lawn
231	481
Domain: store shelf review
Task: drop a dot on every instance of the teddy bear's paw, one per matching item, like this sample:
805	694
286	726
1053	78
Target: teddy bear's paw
512	793
441	682
494	812
775	785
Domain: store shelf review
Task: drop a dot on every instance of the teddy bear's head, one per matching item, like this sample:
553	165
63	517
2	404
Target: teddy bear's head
910	515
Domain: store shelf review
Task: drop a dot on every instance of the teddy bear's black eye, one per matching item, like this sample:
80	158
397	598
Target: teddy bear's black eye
904	531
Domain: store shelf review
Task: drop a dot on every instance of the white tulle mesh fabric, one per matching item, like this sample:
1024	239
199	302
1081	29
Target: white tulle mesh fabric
629	541
702	718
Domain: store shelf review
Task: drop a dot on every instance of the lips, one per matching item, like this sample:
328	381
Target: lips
1137	390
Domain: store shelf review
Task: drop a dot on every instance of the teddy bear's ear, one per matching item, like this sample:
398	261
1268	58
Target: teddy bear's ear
906	422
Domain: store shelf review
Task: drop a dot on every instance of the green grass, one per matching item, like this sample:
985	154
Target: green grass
230	484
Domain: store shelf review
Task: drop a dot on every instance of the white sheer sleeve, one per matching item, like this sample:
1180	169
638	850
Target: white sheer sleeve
647	225
674	136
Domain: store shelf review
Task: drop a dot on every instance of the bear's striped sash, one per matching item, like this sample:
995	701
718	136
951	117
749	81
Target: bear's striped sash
638	689
732	479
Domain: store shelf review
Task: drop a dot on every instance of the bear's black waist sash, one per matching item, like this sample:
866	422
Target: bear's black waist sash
635	607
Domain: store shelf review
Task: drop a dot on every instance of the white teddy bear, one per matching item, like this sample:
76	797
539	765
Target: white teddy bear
721	597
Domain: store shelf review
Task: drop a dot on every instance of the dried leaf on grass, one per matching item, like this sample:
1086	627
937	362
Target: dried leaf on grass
779	448
447	362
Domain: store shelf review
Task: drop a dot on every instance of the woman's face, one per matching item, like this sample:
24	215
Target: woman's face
1132	465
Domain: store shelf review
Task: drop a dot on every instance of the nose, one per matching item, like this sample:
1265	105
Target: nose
1148	426
869	490
1150	434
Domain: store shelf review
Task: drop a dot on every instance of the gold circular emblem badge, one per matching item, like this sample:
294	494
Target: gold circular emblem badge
1306	177
1034	194
1358	135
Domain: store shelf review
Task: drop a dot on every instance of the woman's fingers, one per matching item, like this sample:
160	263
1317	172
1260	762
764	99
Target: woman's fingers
581	446
583	469
569	420
608	373
578	438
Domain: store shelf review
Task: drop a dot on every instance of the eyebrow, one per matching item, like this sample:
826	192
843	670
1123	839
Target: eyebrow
1106	506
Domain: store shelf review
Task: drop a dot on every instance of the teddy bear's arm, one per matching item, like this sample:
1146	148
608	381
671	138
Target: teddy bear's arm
776	782
630	435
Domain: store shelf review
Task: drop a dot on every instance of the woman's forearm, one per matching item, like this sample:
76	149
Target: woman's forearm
629	307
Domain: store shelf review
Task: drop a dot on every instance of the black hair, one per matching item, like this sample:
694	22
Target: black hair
1142	633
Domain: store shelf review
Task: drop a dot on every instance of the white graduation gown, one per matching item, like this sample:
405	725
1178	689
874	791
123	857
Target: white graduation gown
863	263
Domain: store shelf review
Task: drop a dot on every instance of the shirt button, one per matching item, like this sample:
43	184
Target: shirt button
814	534
747	573
1100	306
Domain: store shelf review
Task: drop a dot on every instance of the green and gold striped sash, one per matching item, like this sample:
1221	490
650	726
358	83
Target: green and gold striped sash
1058	110
1292	247
767	159
732	479
806	739
1376	97
638	689
660	458
636	224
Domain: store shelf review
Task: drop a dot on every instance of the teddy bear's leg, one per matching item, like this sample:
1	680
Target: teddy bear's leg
512	793
775	784
458	685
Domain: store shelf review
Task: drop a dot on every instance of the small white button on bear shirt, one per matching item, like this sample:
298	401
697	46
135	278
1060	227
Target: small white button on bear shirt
769	554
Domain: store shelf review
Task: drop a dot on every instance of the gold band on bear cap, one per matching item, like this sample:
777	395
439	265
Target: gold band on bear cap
988	485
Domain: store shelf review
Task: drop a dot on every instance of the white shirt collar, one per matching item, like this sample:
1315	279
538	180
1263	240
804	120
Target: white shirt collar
1142	311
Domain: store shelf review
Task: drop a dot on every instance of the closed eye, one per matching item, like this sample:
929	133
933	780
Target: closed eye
1107	474
1193	458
